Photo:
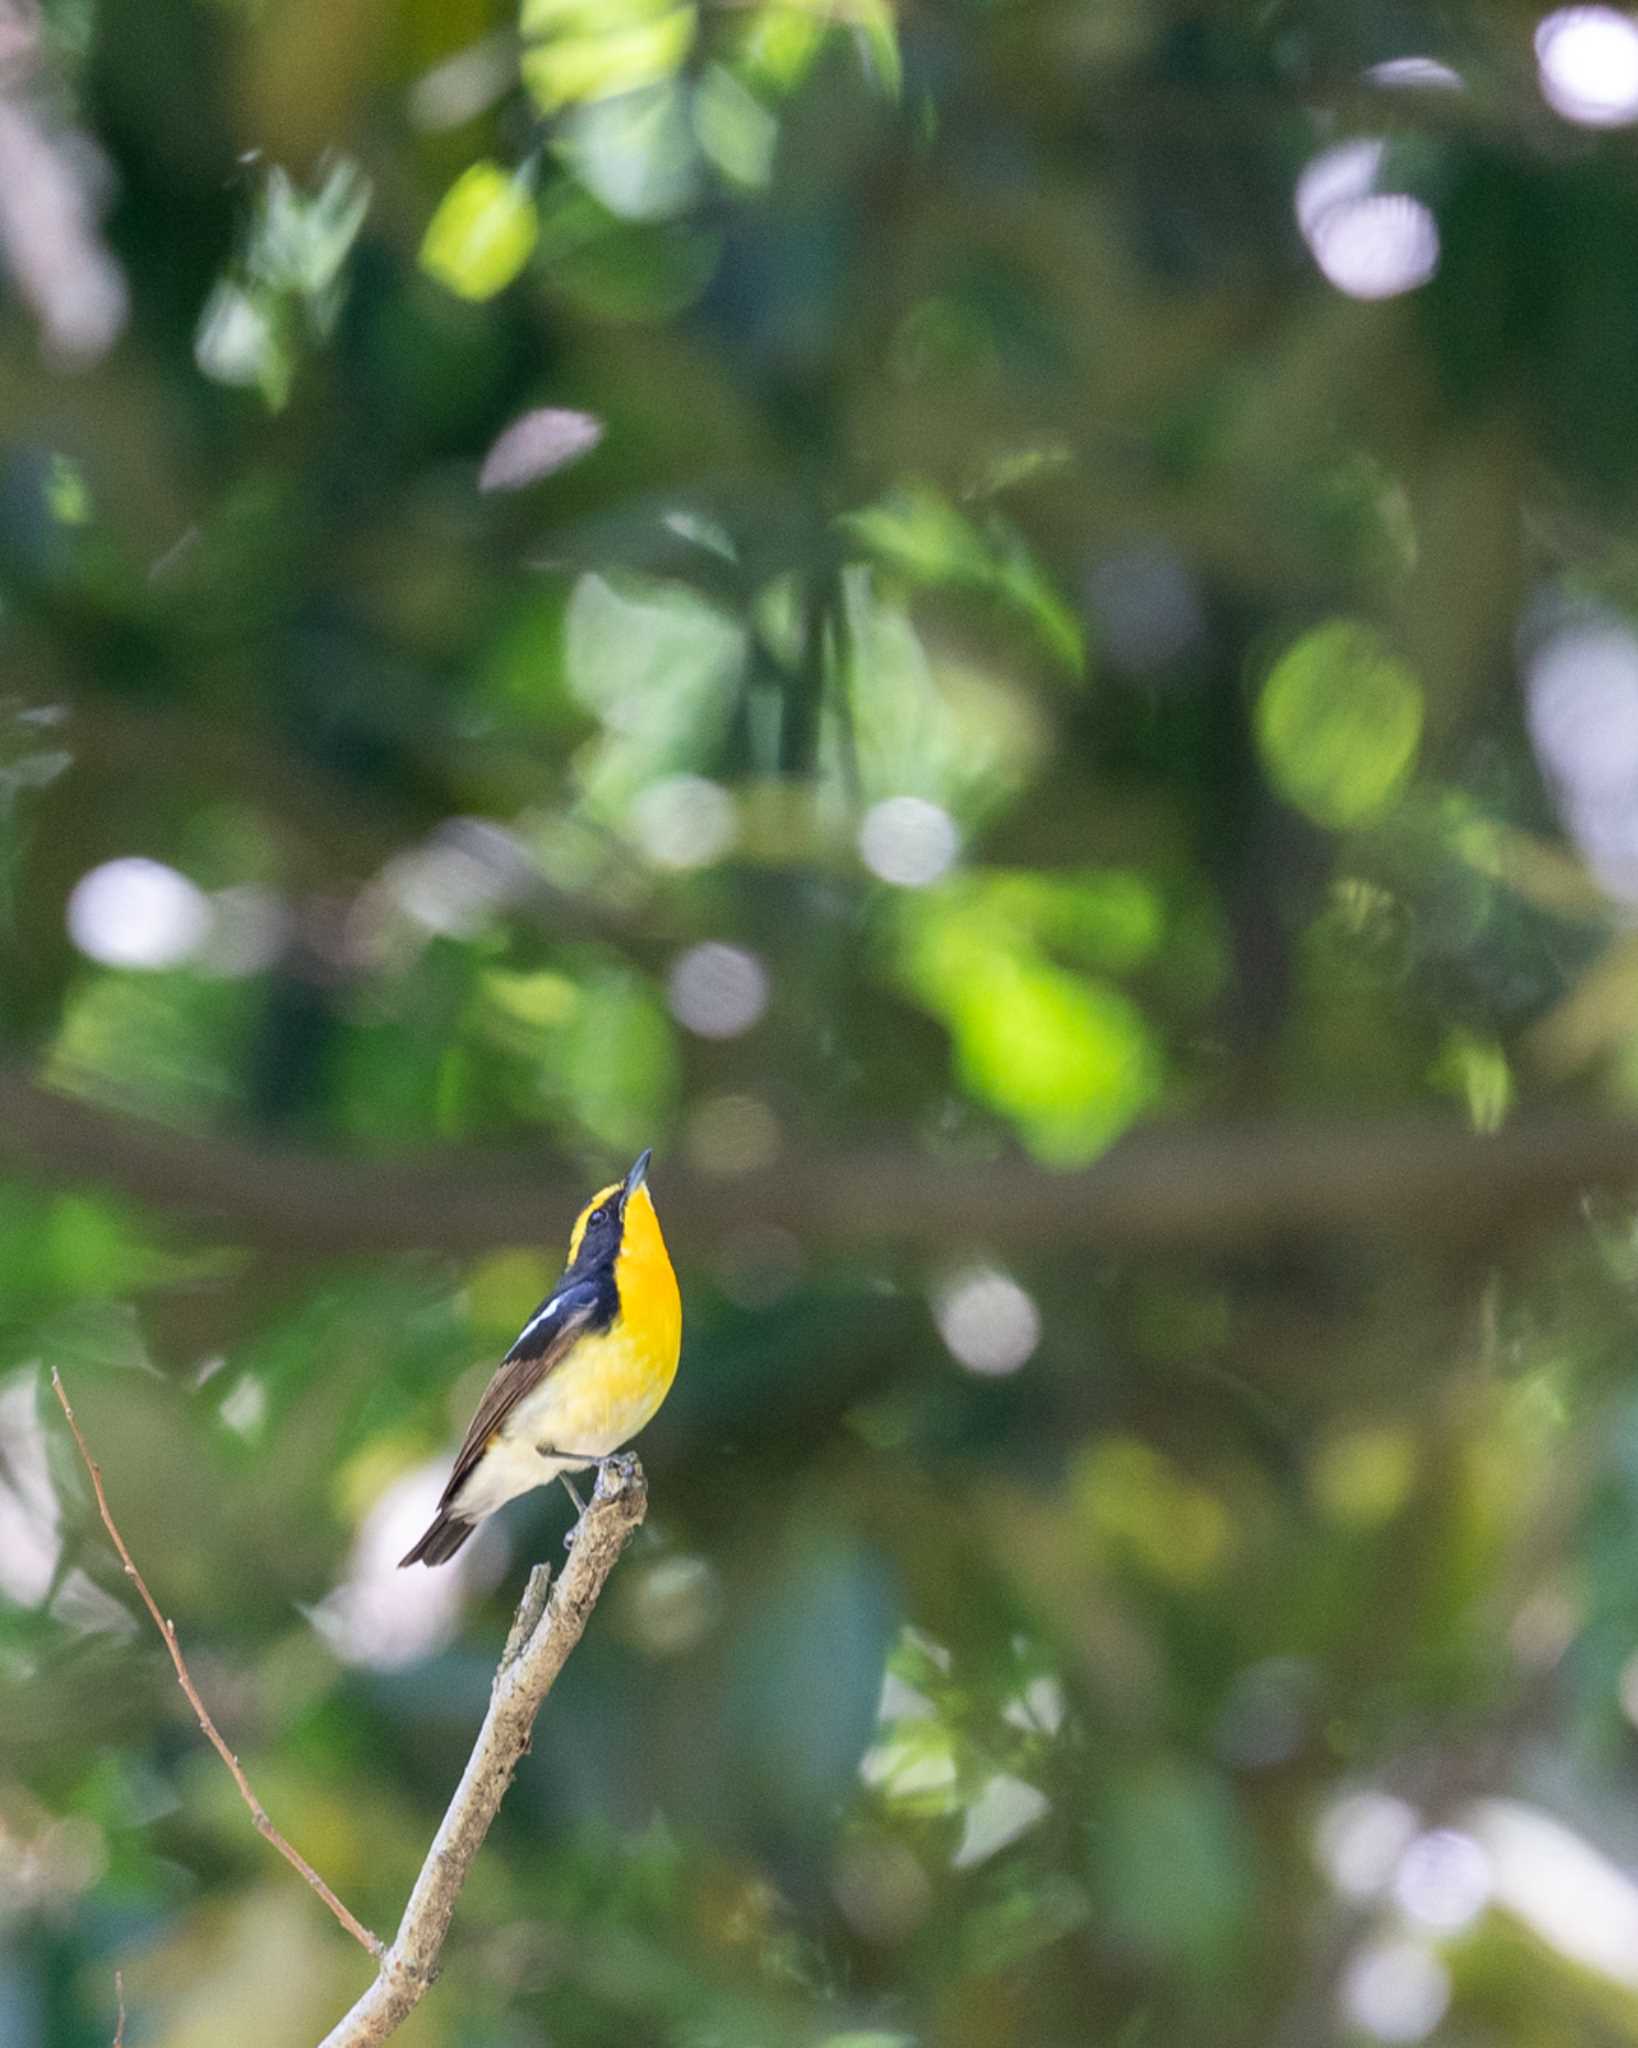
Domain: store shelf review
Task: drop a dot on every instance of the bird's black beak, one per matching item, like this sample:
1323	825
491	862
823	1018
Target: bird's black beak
638	1174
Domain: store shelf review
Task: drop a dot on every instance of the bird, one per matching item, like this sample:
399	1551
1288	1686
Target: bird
589	1369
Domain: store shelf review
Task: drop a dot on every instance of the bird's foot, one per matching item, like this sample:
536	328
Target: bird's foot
579	1509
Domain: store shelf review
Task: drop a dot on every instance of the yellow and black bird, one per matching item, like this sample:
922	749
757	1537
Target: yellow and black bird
594	1362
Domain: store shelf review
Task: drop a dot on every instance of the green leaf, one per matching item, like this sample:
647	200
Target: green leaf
659	664
615	1060
778	43
1338	724
1175	1865
1069	1059
483	232
921	534
635	152
876	25
577	50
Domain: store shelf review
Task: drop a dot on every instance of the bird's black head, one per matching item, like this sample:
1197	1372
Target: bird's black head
596	1238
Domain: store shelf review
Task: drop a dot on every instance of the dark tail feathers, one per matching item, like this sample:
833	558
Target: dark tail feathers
446	1535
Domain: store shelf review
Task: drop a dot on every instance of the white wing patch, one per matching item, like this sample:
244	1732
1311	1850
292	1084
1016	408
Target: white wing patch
543	1316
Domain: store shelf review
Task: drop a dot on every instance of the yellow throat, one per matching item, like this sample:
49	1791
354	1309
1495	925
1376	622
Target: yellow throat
650	1306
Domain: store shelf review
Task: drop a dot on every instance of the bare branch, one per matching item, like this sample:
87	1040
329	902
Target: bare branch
119	1994
536	1652
1423	1179
258	1813
530	1608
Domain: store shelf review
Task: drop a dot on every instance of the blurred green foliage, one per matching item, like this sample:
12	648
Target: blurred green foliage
1056	571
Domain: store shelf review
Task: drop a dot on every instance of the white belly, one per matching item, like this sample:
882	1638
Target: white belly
596	1400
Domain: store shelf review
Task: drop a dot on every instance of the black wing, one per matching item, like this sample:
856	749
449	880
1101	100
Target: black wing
546	1340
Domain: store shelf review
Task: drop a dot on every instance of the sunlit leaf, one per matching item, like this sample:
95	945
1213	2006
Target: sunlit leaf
300	241
939	728
737	132
483	232
658	663
1005	1808
240	342
1071	1062
594	49
1339	721
1069	1059
920	533
779	42
913	1766
286	283
634	151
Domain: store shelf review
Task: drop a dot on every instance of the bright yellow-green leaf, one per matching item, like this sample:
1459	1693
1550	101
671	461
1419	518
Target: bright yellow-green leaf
779	44
1476	1070
539	1000
483	232
921	532
591	49
1069	1059
1338	724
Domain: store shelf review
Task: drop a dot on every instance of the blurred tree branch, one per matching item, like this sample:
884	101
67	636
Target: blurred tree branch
545	1631
258	1813
1414	1176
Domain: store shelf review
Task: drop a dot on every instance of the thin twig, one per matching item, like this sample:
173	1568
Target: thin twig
258	1813
520	1689
119	1995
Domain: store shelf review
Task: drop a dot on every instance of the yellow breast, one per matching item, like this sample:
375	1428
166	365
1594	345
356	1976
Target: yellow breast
650	1305
613	1381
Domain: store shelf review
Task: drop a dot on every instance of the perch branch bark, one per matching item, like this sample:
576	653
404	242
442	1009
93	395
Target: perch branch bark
536	1651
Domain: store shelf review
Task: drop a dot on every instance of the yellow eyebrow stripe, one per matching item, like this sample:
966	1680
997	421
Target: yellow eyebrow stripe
584	1218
